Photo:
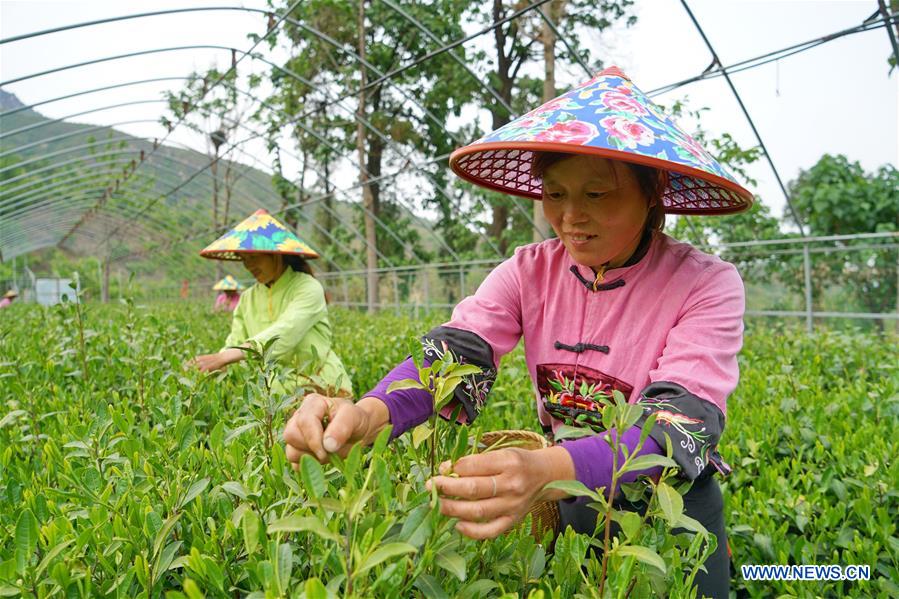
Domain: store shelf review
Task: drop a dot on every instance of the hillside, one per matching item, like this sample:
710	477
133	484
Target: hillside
42	157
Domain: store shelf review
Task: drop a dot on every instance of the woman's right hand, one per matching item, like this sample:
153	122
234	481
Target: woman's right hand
348	423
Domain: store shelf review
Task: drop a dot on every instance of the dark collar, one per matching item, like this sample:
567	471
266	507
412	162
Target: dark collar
638	255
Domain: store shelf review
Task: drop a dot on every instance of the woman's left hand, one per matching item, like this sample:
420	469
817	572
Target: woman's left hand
495	490
219	361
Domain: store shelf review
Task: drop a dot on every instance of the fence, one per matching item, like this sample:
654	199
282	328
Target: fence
838	276
809	278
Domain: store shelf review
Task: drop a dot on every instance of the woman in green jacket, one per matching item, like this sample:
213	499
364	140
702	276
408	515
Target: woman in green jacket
286	302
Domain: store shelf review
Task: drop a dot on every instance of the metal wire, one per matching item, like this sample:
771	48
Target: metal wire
720	71
758	136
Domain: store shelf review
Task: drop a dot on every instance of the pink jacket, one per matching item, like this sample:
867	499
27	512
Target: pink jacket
676	315
665	330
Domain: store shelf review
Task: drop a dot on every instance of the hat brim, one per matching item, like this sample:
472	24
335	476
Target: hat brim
695	184
232	255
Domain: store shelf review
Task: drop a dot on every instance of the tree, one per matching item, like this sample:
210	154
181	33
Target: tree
837	197
215	113
342	118
516	44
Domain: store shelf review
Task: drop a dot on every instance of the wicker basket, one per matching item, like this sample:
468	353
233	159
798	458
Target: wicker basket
544	515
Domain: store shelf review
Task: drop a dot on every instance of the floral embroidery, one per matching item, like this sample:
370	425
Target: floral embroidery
576	395
623	101
560	103
692	436
627	133
689	149
474	387
571	132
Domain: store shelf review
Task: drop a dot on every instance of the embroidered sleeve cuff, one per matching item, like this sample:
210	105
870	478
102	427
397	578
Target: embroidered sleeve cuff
466	348
693	424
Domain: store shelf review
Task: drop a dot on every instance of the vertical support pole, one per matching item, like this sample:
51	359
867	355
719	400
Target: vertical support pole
461	282
414	293
427	291
346	291
396	292
807	268
106	269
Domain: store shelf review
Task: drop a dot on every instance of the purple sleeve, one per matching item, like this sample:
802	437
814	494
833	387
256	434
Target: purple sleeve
592	458
408	407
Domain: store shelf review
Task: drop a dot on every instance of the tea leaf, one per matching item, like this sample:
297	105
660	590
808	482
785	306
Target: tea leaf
645	462
643	554
250	527
50	556
194	490
420	434
11	417
313	476
314	589
285	564
26	539
164	531
235	488
405	384
430	587
629	522
572	432
691	524
297	523
384	553
452	562
671	502
574	488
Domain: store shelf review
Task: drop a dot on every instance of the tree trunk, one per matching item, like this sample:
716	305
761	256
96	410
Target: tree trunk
229	185
373	166
329	200
500	117
541	227
104	292
368	199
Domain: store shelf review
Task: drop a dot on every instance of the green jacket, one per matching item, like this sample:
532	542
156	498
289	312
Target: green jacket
294	310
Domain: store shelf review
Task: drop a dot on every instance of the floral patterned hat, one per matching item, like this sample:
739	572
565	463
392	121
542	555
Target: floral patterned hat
261	233
607	117
229	283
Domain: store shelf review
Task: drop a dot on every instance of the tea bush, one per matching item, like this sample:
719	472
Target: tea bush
122	474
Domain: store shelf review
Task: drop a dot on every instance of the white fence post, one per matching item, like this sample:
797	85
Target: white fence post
807	267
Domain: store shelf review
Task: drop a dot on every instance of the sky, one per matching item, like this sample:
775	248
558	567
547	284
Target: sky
837	98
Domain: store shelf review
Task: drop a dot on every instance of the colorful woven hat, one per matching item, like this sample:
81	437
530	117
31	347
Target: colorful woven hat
260	233
229	283
607	117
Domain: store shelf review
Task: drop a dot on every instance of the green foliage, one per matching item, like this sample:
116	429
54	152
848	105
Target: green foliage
647	556
142	481
836	197
440	380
